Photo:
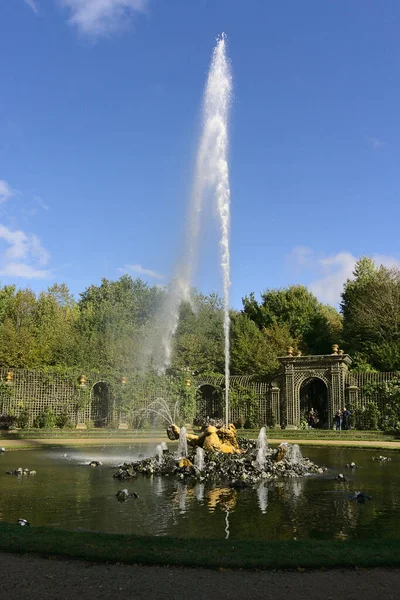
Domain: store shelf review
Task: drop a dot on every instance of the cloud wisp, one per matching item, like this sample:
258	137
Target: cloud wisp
374	142
32	4
23	255
6	191
97	18
139	270
328	274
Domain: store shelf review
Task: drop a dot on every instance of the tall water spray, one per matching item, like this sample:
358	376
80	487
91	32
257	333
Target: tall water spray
211	175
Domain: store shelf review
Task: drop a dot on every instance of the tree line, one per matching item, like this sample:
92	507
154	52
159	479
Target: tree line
106	329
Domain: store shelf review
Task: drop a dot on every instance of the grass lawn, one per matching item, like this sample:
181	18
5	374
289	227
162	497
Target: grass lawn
228	554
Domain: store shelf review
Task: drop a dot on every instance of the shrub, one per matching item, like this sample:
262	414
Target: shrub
45	419
367	417
23	419
239	423
63	421
7	421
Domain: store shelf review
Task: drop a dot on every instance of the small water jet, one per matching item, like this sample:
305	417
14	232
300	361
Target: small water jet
159	454
262	448
182	445
199	459
296	455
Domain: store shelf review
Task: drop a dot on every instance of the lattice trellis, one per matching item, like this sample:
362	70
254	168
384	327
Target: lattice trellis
275	400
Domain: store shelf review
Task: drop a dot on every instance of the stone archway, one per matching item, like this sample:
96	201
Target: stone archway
101	404
209	402
313	394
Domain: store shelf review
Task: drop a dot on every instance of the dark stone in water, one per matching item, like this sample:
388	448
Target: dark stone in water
123	495
95	463
360	497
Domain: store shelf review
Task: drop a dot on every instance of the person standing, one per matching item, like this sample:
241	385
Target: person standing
346	419
338	420
311	419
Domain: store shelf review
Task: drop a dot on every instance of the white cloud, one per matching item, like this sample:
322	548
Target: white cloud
374	142
102	17
23	270
329	273
22	255
32	4
6	191
141	271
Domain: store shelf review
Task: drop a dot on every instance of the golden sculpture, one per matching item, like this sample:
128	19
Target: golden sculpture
281	451
215	439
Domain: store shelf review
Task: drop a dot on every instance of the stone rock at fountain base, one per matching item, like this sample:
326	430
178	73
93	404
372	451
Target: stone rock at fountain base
95	463
123	495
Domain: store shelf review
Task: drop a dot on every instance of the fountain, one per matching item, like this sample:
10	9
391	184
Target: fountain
182	446
159	454
199	459
217	448
295	454
262	448
211	176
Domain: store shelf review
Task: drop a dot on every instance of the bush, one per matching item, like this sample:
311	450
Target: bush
239	423
64	421
367	417
7	421
23	419
249	424
45	419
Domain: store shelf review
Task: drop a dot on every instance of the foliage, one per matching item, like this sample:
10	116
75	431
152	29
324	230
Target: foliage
45	419
366	417
371	312
63	421
7	421
313	327
23	419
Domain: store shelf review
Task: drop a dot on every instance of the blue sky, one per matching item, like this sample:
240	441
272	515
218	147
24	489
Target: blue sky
100	112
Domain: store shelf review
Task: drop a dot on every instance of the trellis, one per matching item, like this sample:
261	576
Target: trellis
34	391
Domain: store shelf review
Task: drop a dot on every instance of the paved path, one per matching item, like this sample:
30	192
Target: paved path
110	441
24	577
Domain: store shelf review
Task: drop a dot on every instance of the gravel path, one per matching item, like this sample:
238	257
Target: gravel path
49	579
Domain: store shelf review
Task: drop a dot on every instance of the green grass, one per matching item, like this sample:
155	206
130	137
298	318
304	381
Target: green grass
78	433
323	434
229	554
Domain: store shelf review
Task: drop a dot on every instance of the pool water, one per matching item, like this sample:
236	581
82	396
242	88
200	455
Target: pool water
69	494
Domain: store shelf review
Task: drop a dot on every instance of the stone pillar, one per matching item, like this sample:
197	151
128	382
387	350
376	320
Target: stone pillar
288	406
275	403
352	395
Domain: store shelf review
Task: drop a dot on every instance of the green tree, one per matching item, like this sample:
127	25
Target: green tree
371	312
313	326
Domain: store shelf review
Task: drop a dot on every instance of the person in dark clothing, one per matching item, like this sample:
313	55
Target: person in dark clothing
338	420
311	419
346	419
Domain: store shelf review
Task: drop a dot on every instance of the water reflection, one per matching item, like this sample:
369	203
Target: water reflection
223	498
262	494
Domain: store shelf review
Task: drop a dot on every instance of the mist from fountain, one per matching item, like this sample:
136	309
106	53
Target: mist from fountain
182	444
262	448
